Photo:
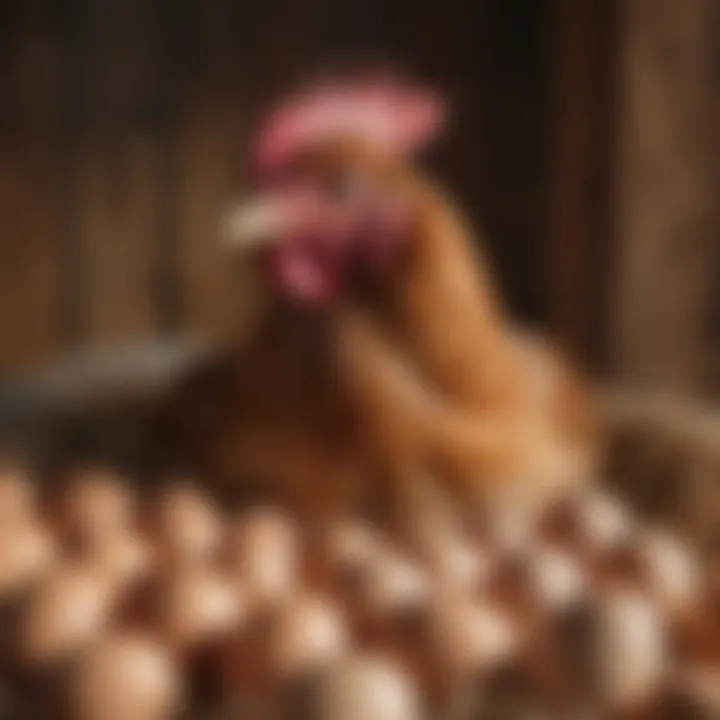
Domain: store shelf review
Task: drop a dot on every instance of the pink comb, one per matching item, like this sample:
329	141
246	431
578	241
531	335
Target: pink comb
386	111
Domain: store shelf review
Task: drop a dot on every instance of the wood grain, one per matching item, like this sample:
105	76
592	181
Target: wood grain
117	205
666	192
579	188
29	249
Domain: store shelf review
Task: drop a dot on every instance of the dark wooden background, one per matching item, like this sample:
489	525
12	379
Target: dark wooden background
584	141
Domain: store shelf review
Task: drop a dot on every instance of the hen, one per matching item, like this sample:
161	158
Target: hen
385	353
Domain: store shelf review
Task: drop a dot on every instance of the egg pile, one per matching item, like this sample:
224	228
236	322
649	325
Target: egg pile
174	607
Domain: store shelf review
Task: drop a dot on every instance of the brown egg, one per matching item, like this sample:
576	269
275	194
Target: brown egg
123	558
263	551
368	688
197	605
187	526
343	557
671	569
394	584
701	684
94	504
27	552
63	614
455	562
248	684
631	650
604	521
557	581
352	545
123	676
511	533
697	631
310	633
18	497
471	637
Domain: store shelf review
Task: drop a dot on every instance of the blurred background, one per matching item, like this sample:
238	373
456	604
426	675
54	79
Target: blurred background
584	142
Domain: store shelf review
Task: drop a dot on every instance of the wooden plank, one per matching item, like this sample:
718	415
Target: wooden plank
117	207
232	75
28	264
29	251
581	130
117	179
217	287
667	222
712	374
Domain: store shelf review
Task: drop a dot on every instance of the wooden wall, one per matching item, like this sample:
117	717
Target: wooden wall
667	297
582	142
122	124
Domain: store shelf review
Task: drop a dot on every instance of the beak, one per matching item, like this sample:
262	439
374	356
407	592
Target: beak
253	223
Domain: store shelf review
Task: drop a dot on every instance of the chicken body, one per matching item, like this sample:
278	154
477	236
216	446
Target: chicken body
263	420
446	382
391	362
